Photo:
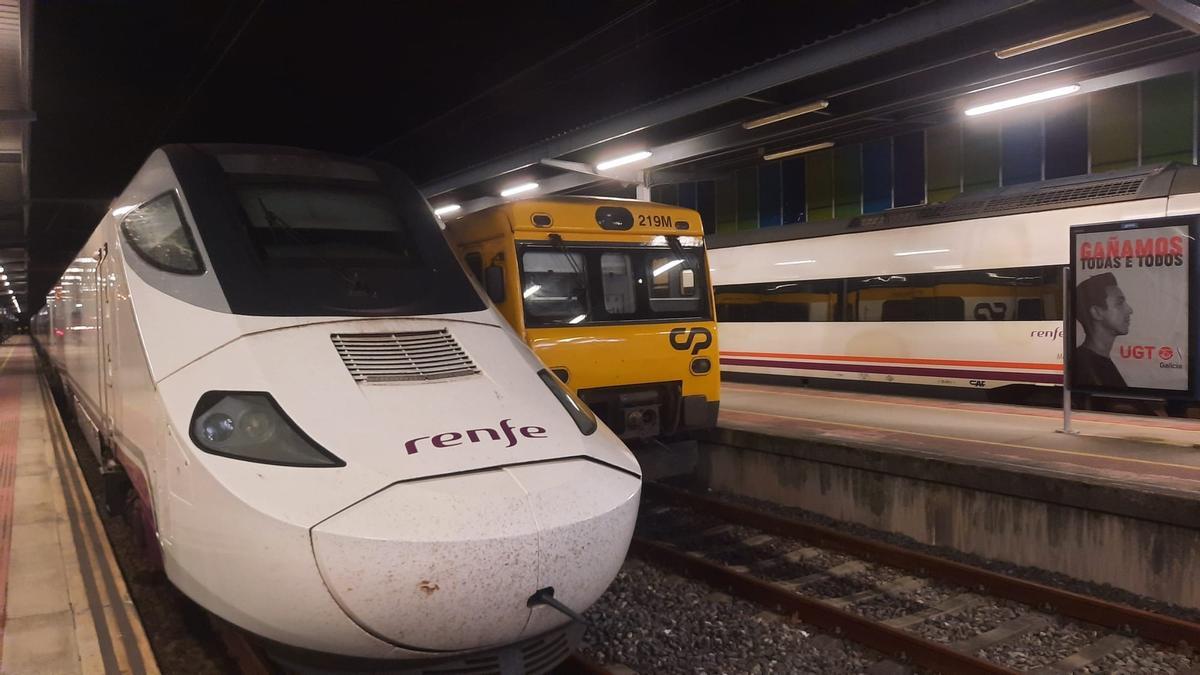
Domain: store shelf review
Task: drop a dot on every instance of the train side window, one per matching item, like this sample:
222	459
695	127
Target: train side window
475	263
667	287
157	232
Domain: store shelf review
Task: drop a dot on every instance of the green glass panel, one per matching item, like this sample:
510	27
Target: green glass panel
747	198
1167	120
818	185
726	205
1112	128
943	162
847	171
981	154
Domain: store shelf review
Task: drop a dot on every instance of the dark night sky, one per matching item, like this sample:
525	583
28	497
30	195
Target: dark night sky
429	86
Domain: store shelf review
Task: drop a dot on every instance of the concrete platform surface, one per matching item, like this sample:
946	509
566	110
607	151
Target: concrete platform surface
1121	463
64	607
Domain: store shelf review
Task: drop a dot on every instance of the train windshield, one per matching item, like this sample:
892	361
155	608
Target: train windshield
305	235
573	285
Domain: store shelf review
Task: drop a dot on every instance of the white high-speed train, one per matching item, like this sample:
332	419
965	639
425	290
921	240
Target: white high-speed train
962	294
334	441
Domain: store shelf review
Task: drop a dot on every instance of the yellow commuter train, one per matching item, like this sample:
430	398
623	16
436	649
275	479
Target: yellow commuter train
613	295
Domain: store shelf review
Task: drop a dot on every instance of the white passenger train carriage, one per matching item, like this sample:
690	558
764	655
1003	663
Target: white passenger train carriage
967	293
333	440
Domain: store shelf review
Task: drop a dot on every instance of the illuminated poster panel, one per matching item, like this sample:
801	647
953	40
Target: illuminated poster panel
1131	307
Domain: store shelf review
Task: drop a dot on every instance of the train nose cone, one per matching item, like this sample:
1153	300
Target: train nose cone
449	563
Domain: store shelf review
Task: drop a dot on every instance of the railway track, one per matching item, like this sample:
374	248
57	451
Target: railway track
886	597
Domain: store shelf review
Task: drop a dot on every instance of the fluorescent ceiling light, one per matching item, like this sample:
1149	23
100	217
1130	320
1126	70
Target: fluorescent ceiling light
786	114
796	262
577	319
518	189
120	211
667	266
443	210
622	161
1073	34
925	252
1022	100
531	290
797	151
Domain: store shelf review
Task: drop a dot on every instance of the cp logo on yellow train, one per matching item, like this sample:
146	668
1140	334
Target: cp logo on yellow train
694	339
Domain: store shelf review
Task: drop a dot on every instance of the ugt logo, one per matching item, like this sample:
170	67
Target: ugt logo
694	339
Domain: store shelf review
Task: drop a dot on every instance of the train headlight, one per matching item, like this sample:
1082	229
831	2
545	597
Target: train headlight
577	409
217	428
251	426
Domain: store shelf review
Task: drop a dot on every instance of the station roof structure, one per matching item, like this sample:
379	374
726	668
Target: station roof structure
471	99
15	116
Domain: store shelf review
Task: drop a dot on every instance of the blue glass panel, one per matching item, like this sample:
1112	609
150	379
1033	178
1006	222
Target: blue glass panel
1021	151
769	195
1067	138
706	204
687	195
877	175
664	194
908	188
793	190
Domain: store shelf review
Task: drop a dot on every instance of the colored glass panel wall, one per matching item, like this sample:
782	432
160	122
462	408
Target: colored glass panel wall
847	176
664	194
1021	150
943	162
877	176
980	155
818	185
793	190
769	187
687	195
706	204
1167	119
908	169
747	198
1066	134
1113	128
726	208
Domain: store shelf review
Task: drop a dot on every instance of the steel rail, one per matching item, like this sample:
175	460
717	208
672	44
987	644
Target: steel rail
891	641
1148	625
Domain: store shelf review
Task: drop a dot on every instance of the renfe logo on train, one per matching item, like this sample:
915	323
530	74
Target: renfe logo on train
450	439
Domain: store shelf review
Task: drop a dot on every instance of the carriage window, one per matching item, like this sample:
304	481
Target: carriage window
1007	294
157	232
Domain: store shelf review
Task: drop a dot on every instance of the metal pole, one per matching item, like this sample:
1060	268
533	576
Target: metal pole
1068	347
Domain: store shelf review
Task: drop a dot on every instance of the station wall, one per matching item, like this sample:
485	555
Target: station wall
1142	123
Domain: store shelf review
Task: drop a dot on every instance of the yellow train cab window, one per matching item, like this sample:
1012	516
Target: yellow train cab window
620	287
673	284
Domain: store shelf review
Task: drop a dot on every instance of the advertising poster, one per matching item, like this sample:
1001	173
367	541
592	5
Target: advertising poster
1131	305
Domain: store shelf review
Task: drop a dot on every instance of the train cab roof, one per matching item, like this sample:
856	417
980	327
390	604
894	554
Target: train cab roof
578	214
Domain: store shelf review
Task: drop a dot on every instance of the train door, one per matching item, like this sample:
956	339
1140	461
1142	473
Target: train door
107	324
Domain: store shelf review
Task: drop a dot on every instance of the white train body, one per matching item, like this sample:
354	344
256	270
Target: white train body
808	301
387	515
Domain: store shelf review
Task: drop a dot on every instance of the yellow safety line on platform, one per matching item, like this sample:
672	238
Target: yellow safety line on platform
935	406
6	358
973	440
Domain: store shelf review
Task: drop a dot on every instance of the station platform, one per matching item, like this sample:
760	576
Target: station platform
1118	503
64	606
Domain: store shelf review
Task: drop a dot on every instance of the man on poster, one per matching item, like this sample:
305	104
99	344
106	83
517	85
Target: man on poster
1104	313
